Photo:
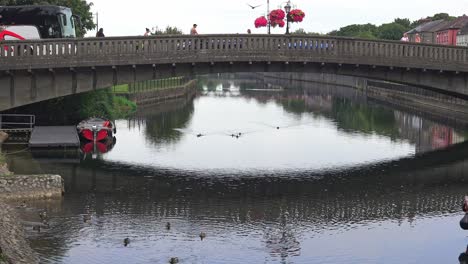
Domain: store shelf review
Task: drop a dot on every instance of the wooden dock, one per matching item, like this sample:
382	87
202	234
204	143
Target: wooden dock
54	136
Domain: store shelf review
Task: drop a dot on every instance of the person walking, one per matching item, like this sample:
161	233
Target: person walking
193	31
249	31
417	38
100	33
405	38
147	32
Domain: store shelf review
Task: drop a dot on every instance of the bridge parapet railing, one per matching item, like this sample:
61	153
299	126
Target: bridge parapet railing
18	54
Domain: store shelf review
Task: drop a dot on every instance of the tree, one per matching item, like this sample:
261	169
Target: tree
435	17
444	16
79	7
168	31
300	31
366	30
391	31
405	22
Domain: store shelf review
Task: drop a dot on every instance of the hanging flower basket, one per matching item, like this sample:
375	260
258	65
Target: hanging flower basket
279	23
296	15
277	18
261	22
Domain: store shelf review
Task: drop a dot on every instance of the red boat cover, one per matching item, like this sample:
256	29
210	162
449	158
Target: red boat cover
102	134
101	147
88	134
88	147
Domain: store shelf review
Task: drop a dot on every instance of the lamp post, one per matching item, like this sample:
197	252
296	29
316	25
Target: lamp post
287	8
96	15
268	15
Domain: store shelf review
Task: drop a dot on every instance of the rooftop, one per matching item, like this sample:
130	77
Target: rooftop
430	26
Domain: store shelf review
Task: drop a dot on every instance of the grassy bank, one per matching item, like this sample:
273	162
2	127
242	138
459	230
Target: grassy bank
123	107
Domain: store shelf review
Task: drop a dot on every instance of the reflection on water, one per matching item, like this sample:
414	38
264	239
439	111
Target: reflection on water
349	181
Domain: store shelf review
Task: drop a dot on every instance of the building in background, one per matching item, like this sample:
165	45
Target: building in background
444	32
447	35
462	37
427	31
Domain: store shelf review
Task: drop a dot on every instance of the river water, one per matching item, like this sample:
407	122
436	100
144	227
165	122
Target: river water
319	174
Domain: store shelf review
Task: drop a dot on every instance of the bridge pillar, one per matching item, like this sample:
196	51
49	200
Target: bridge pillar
7	93
20	88
33	91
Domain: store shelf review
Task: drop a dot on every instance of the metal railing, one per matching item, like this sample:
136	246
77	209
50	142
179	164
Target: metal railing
17	123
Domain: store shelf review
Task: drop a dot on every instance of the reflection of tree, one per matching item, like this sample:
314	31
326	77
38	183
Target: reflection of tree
364	118
160	127
161	120
295	105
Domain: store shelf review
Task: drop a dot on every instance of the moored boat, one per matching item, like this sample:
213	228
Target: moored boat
96	129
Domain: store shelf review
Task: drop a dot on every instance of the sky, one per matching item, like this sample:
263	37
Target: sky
231	16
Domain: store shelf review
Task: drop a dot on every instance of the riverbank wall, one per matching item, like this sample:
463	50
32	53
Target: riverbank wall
14	248
155	96
21	187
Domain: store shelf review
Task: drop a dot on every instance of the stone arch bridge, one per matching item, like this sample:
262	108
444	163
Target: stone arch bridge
37	70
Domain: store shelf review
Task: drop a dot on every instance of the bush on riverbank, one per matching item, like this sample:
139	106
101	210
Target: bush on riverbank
123	107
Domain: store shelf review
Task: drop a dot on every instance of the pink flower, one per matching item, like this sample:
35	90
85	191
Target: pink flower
261	22
296	15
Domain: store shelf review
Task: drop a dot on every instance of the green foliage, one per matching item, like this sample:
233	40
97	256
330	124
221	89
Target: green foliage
442	16
97	103
405	22
121	88
366	31
392	31
301	31
123	107
168	31
79	7
366	35
437	16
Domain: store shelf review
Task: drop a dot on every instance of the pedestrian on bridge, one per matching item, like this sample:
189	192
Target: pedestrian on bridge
417	38
100	33
147	32
193	31
405	38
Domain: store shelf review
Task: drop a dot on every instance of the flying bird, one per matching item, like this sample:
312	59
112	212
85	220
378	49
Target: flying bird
253	7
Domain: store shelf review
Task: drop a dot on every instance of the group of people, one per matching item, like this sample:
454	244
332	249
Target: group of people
193	31
417	38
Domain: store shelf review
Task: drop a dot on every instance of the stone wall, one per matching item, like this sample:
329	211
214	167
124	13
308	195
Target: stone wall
16	187
14	248
159	95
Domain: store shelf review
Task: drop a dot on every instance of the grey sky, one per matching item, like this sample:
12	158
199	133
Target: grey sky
222	16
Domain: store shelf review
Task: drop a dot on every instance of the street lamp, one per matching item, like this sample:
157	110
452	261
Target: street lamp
287	8
268	15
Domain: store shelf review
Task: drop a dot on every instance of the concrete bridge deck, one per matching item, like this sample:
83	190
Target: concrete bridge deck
36	70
